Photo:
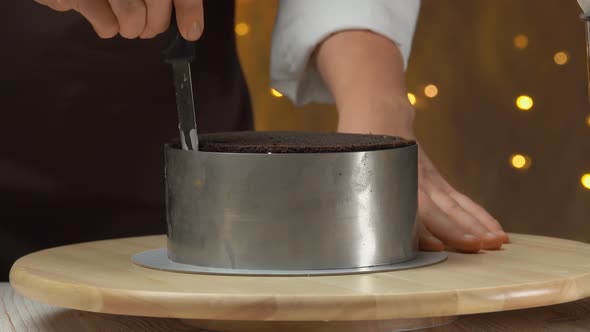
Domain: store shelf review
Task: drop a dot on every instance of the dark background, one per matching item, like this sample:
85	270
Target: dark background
84	122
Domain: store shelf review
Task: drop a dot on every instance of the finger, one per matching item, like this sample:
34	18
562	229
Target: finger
468	205
100	15
158	17
480	213
438	223
60	6
131	15
428	242
463	218
189	15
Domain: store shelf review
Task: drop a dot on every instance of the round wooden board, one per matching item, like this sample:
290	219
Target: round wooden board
99	276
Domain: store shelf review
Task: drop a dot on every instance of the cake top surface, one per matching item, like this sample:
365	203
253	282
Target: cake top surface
297	142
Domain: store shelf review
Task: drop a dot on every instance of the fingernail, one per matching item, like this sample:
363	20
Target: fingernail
469	237
146	34
490	235
432	238
194	31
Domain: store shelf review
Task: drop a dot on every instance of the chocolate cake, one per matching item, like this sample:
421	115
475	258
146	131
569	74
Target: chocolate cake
297	142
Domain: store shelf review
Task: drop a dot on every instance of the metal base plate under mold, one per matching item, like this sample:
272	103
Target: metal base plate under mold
158	259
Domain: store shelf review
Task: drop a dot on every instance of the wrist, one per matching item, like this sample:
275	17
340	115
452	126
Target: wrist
393	116
365	73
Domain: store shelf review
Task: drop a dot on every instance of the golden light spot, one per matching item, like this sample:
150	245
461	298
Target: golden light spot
242	29
586	181
412	98
198	182
431	91
560	58
275	93
521	41
588	120
524	103
520	161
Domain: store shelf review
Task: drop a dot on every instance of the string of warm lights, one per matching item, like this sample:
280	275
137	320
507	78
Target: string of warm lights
276	93
520	161
560	58
430	91
412	99
524	103
521	41
242	29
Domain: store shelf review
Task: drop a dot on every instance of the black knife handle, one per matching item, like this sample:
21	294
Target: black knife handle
179	49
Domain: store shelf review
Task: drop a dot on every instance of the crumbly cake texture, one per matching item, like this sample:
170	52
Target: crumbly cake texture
297	142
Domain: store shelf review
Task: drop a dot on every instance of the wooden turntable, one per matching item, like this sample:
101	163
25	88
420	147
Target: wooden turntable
100	277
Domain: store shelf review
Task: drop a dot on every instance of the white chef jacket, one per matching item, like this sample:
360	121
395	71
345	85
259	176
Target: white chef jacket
301	25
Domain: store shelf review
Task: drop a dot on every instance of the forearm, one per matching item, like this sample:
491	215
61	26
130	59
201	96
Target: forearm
364	71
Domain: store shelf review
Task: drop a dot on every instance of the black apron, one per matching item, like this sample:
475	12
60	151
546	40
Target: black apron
84	121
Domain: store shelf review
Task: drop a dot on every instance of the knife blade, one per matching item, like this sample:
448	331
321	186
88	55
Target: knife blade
179	54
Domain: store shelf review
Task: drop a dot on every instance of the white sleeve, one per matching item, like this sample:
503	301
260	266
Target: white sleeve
301	25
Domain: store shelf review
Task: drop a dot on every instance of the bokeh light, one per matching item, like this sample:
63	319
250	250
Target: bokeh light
242	29
412	98
588	120
524	103
521	41
275	93
586	181
520	161
561	58
431	91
